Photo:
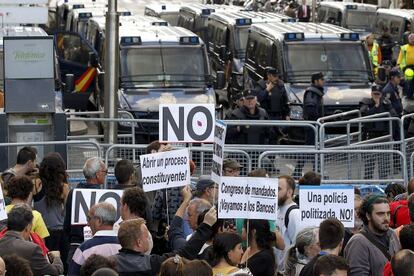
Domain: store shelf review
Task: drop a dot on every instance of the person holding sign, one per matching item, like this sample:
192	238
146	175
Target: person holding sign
95	172
368	251
135	239
259	257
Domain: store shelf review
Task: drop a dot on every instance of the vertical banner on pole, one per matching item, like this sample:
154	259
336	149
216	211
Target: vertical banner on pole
218	151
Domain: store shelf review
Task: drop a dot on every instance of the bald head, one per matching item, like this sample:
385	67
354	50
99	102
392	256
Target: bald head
403	263
411	39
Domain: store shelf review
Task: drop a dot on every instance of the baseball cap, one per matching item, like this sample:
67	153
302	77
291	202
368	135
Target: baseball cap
395	73
204	182
272	71
375	89
317	76
248	95
231	163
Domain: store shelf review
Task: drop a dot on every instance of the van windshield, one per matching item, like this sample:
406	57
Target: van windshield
169	66
360	20
338	63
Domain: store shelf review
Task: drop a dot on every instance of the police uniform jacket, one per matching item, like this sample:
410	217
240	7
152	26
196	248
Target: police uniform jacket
367	107
276	102
313	103
390	92
253	135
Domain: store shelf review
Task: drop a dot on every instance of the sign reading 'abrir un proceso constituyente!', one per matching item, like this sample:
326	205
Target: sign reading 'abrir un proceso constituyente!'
186	123
165	170
248	197
318	203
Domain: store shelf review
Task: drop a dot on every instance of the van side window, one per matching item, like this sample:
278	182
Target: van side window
395	27
381	24
321	14
262	55
250	51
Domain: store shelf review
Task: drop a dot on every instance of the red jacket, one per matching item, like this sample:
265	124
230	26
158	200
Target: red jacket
35	239
399	213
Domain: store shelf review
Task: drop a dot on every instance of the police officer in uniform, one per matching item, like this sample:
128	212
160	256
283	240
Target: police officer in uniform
312	110
272	95
244	134
369	106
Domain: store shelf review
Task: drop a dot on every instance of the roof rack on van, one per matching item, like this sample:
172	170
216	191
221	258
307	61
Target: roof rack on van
290	31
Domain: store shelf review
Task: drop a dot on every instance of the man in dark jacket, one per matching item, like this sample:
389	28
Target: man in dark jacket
253	135
369	106
135	259
386	43
312	110
272	96
391	93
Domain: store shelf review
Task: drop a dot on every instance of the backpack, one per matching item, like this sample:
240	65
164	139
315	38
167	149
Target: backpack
293	207
399	213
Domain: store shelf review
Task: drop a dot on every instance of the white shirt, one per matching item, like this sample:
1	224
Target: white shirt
289	233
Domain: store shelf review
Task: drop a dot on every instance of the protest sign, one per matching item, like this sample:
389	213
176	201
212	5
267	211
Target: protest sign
248	197
186	123
318	203
165	170
218	151
3	213
84	199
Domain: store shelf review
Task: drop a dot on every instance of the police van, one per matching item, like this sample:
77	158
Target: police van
228	32
65	7
194	17
168	12
398	22
159	65
357	17
299	49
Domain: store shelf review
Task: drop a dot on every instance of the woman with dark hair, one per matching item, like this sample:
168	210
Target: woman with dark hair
227	253
50	201
260	251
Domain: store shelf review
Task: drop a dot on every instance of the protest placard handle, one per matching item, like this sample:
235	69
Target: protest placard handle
167	209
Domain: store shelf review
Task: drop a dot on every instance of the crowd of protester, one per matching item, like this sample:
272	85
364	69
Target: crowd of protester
183	236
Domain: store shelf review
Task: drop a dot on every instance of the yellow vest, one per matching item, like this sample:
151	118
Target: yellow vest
374	54
403	62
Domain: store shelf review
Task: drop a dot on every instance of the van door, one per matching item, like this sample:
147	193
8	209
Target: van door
73	57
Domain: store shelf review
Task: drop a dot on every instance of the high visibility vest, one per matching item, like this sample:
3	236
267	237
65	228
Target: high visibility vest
374	54
403	62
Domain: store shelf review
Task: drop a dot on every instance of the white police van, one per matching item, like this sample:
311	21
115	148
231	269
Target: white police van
168	12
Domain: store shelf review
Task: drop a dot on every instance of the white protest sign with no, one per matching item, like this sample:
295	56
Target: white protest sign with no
165	170
84	199
318	203
186	123
248	198
218	151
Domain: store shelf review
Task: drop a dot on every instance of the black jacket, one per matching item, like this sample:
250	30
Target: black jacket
367	107
275	103
313	103
390	92
386	43
253	135
131	262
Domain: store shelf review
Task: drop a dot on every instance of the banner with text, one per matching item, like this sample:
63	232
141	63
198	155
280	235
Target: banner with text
218	151
165	169
248	197
318	203
84	199
186	123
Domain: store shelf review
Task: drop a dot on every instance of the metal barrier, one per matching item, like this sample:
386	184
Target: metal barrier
74	163
339	115
361	166
205	161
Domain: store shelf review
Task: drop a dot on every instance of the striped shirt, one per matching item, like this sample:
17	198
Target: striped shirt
103	243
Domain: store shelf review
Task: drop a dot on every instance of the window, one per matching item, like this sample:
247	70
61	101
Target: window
72	48
395	27
321	14
250	51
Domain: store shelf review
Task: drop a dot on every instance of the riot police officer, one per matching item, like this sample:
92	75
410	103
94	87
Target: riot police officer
312	111
272	96
369	106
